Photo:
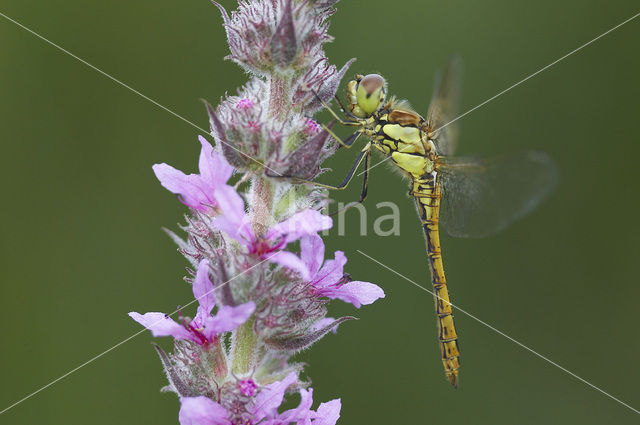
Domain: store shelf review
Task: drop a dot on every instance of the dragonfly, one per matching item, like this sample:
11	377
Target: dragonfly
467	196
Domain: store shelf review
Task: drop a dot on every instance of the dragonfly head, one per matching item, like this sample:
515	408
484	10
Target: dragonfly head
366	94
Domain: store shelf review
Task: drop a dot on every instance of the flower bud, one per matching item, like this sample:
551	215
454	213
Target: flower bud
261	44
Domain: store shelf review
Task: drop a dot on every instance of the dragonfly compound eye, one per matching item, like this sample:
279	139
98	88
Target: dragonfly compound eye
370	93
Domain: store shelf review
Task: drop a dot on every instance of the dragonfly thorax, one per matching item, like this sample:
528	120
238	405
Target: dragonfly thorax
366	94
399	133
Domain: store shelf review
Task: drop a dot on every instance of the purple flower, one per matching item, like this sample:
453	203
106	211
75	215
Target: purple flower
266	403
197	190
204	328
235	222
262	409
327	413
202	411
329	280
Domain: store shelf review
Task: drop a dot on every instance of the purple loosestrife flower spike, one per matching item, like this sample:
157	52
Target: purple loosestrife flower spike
253	231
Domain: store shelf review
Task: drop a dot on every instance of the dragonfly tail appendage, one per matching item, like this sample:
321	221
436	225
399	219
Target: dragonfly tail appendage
427	196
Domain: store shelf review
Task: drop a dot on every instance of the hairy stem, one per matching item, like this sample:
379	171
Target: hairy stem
278	102
244	348
261	202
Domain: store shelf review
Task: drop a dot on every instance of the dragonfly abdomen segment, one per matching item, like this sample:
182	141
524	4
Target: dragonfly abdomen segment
427	195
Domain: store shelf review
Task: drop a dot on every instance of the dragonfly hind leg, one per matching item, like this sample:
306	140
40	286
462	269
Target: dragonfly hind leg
345	143
365	186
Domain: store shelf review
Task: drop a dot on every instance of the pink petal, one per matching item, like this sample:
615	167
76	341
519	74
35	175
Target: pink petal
356	292
268	400
203	291
161	325
233	220
227	319
331	272
312	253
188	187
214	169
303	223
202	411
230	202
302	413
290	261
328	413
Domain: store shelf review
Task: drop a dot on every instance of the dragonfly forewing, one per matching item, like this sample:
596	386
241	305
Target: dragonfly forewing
444	106
483	196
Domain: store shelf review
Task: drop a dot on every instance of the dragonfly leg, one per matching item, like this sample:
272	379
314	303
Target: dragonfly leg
364	154
365	186
351	123
346	143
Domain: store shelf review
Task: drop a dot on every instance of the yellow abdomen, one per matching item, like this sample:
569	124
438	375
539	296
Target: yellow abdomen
427	195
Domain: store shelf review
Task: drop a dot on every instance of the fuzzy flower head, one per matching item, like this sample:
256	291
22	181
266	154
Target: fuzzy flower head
197	190
204	328
253	141
265	35
242	128
267	128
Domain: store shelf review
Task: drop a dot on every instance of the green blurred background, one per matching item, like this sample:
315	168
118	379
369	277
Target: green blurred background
81	245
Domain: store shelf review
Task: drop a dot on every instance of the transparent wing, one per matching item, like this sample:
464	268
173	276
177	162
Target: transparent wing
444	107
483	196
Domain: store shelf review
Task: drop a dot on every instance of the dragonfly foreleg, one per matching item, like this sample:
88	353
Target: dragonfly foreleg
351	123
364	153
